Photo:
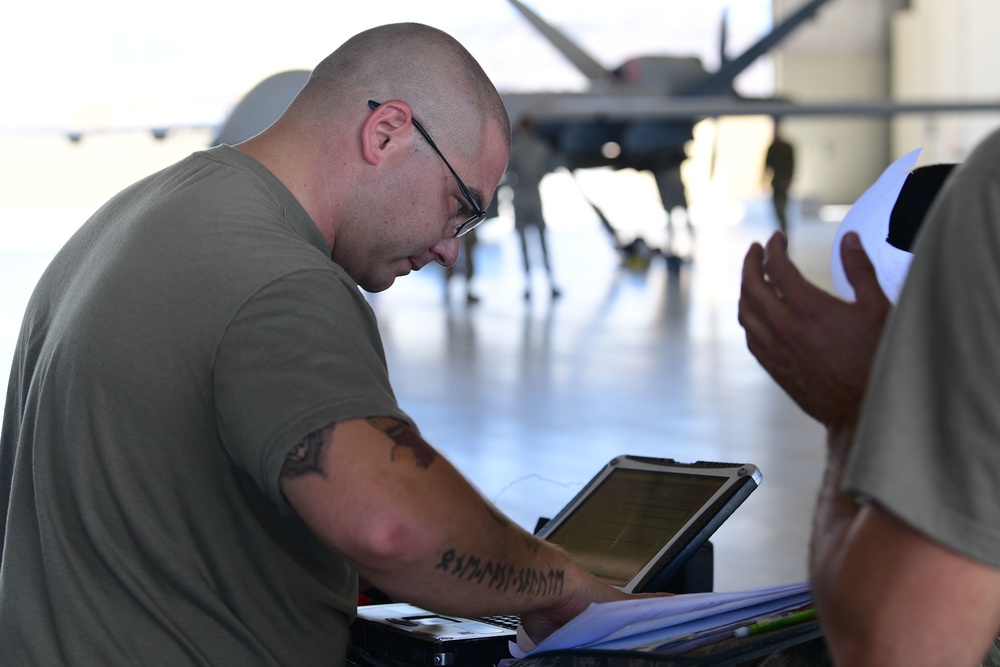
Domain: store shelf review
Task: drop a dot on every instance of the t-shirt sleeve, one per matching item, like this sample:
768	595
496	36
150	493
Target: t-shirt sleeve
303	353
928	444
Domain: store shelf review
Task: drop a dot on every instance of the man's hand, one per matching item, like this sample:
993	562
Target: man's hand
817	347
540	624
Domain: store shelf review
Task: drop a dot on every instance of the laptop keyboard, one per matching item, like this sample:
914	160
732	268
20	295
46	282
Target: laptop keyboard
509	621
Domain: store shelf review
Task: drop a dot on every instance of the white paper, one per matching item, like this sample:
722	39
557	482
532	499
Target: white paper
654	636
645	621
869	217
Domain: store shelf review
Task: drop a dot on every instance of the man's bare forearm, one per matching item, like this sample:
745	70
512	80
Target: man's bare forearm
414	527
835	510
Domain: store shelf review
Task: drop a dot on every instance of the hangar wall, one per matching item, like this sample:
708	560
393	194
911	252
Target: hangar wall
945	48
921	49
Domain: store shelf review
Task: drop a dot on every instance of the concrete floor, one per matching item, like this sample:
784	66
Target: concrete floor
530	399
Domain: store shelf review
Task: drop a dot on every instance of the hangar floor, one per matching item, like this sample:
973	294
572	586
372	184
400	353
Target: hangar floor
530	398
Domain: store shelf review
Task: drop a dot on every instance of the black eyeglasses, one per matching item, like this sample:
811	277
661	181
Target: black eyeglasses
478	214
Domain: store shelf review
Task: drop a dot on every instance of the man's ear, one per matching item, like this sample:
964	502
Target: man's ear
386	129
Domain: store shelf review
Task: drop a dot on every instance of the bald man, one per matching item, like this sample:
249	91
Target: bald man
201	450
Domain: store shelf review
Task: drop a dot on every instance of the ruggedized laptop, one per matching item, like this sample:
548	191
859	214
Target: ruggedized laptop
634	525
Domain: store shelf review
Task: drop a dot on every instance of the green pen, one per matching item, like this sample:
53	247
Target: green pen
776	622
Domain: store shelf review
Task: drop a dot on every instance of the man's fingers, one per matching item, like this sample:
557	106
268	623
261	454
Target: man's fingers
860	272
754	290
786	279
758	305
753	264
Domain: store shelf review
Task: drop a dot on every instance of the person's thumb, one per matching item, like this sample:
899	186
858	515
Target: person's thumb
859	270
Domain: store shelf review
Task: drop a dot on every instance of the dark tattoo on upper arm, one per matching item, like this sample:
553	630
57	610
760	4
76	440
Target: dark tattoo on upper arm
502	577
403	435
306	457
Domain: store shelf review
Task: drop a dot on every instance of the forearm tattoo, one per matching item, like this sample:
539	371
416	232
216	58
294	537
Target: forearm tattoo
403	436
306	457
502	577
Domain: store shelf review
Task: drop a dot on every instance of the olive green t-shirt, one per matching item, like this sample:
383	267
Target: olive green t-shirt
178	347
928	444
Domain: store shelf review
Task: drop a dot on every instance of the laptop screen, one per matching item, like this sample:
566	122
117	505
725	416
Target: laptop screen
629	518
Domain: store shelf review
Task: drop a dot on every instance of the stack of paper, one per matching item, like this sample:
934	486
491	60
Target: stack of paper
673	624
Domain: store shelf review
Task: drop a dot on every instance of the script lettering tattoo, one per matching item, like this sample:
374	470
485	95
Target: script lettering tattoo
502	577
404	436
306	457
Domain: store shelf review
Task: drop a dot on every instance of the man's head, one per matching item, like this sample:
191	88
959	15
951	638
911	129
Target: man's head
386	201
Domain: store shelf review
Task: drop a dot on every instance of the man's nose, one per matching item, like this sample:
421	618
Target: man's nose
446	251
